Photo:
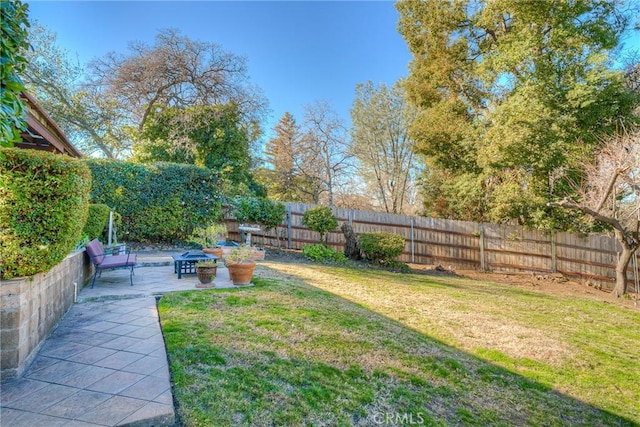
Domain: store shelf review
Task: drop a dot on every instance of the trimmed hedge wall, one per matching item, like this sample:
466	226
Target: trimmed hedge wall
44	202
159	202
96	221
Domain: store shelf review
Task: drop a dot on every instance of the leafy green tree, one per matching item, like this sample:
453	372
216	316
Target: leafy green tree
321	220
207	136
104	109
510	93
14	23
381	119
259	210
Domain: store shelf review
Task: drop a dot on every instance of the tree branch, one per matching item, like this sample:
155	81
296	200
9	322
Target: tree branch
570	204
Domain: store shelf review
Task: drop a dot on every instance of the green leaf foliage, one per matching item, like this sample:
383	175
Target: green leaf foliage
160	202
381	247
44	203
96	221
13	23
320	252
209	136
512	96
259	210
320	219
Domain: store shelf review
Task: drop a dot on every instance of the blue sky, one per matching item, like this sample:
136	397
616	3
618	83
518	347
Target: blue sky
297	52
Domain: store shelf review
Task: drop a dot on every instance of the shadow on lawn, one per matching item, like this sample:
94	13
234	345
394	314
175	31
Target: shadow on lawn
531	402
453	280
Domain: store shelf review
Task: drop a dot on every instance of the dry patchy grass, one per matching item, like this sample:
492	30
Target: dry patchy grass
317	345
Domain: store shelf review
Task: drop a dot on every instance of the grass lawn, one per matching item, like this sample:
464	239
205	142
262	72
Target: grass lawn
317	345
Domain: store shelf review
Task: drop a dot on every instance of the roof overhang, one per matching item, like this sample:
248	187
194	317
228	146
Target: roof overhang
43	133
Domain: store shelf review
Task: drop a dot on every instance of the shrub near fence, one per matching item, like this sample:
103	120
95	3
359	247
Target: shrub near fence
44	202
466	244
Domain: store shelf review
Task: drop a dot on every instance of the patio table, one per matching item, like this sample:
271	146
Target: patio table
186	263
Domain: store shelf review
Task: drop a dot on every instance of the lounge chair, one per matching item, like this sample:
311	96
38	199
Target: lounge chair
104	261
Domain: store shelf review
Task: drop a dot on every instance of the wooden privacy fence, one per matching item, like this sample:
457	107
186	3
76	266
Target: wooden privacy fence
464	244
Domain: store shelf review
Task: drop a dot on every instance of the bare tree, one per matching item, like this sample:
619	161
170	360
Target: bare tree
322	155
105	109
381	119
610	193
177	72
58	82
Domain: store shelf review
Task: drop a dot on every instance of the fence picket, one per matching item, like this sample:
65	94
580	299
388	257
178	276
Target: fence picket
470	245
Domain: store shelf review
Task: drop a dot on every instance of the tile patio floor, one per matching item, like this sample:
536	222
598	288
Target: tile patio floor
105	364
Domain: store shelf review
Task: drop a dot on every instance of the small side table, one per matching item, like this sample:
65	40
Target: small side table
186	262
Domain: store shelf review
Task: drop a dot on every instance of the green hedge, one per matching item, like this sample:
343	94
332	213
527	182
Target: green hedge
381	247
159	202
96	221
44	202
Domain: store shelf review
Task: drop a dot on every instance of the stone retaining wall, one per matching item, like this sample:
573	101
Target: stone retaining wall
30	307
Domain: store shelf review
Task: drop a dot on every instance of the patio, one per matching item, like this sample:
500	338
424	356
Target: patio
105	363
153	276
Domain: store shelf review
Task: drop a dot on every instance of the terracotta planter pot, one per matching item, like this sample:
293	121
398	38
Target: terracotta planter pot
217	252
206	274
241	274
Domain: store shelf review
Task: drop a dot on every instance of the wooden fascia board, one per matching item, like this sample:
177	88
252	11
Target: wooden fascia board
57	135
52	139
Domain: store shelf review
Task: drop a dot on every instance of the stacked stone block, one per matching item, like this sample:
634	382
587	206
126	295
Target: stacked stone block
30	307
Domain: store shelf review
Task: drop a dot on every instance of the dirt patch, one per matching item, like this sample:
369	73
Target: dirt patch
553	284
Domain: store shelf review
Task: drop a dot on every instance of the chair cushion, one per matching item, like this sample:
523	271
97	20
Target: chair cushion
118	261
95	250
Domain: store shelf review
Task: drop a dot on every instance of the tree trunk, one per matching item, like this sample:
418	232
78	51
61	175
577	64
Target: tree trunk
621	271
351	249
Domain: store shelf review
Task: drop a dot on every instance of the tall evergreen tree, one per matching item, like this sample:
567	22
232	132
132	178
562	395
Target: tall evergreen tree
510	93
279	152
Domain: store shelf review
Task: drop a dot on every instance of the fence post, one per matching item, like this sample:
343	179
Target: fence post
350	217
413	251
483	265
289	236
554	260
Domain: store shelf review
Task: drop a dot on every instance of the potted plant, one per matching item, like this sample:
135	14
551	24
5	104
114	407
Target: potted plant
206	271
208	237
240	265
